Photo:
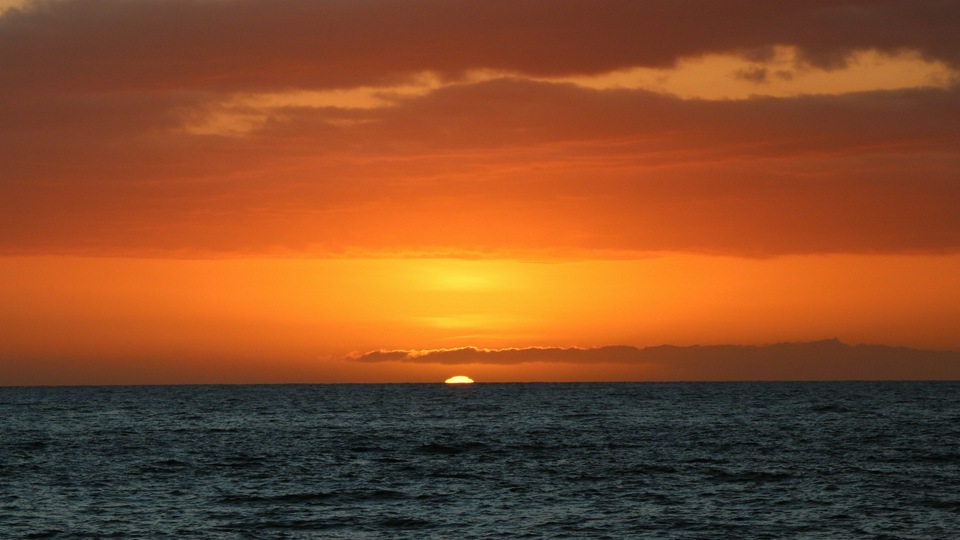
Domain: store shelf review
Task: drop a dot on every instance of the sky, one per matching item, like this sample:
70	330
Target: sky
220	191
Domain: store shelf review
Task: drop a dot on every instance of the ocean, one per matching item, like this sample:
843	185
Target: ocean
877	460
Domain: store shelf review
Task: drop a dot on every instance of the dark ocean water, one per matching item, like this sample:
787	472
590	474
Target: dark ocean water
698	460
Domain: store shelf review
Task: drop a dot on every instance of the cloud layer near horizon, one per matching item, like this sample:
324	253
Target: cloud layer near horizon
822	360
99	103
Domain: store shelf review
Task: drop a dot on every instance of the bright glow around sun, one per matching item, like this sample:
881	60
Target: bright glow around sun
459	379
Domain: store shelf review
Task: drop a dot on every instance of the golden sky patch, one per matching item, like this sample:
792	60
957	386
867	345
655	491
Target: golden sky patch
11	4
784	74
709	77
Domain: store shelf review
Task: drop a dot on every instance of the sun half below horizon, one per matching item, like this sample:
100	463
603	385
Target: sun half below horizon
335	191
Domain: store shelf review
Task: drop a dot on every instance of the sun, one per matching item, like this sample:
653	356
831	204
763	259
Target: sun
459	379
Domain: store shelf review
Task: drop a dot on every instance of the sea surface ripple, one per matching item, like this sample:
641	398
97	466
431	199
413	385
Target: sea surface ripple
645	460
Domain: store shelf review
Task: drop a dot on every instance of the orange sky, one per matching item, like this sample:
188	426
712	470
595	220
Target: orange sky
263	191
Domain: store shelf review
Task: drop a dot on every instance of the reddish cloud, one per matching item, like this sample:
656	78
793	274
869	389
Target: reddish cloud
504	166
94	96
242	45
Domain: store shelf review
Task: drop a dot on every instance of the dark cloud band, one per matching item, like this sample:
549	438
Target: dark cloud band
823	360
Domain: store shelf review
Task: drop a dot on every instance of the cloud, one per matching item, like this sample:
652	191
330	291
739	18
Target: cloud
268	44
96	98
508	165
821	360
473	355
756	75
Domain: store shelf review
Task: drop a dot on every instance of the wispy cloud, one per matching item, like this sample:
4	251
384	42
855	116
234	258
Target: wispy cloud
473	355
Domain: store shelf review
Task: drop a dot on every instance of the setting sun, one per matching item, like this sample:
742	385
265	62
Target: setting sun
459	379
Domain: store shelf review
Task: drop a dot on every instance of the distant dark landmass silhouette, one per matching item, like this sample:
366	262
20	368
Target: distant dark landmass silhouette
828	359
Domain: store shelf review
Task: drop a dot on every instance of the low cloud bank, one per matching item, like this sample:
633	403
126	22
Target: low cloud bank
819	360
